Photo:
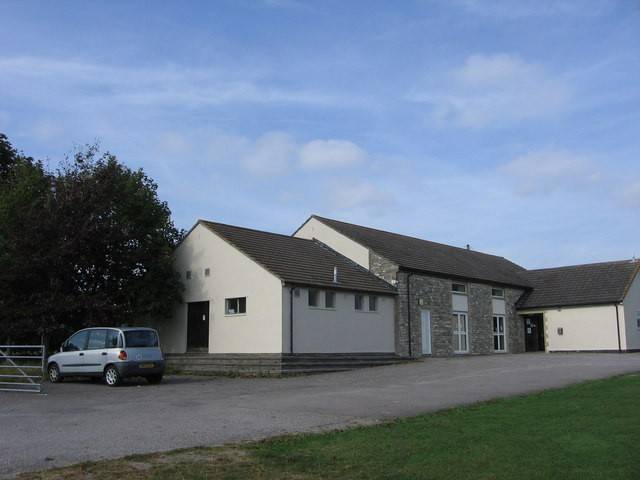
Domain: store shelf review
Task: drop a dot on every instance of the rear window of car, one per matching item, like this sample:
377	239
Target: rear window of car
140	338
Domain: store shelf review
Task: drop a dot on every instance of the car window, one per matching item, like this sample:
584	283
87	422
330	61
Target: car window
113	339
140	338
97	339
77	342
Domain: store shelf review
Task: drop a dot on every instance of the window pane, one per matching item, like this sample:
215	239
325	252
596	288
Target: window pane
242	305
358	301
373	303
140	339
329	299
459	287
232	306
313	297
113	339
497	292
463	342
496	344
97	339
77	342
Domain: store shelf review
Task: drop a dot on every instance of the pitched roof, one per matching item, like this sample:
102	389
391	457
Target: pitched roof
593	284
300	261
423	255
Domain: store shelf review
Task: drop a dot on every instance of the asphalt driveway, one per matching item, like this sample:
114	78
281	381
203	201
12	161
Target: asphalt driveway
80	421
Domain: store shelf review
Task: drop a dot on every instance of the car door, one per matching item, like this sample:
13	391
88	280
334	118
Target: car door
73	350
96	353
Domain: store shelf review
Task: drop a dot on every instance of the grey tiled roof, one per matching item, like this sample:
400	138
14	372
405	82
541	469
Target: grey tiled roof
593	284
300	261
423	255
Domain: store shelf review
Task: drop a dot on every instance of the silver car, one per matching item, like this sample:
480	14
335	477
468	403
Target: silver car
110	353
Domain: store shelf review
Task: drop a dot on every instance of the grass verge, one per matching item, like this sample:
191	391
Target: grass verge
586	431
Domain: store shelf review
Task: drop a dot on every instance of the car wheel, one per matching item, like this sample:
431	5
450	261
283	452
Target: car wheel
112	376
54	373
154	379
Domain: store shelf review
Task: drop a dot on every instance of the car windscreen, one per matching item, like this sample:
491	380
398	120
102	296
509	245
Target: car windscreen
140	338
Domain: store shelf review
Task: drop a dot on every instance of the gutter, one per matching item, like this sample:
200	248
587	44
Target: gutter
618	326
291	290
409	275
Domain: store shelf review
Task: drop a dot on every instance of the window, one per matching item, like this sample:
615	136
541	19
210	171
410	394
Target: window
207	272
313	297
497	292
498	334
140	339
77	342
373	303
460	333
638	319
329	299
359	301
113	339
235	306
97	339
188	275
458	288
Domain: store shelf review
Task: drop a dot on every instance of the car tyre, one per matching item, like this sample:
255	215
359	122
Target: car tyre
54	374
112	376
154	379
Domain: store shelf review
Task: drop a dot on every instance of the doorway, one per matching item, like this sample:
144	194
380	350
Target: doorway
425	320
534	333
198	327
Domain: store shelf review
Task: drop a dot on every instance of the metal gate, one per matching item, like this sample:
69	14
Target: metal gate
21	368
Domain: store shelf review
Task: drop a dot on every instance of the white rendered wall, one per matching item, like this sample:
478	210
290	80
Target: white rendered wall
314	228
584	328
339	330
233	274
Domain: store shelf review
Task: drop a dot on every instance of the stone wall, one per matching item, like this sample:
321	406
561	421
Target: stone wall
480	318
515	323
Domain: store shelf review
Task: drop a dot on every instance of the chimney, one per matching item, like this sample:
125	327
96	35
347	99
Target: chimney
335	274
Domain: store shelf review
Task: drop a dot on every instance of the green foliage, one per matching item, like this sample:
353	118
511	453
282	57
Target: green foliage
90	244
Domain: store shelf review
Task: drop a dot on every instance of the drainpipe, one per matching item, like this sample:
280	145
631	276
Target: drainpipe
618	326
291	290
409	314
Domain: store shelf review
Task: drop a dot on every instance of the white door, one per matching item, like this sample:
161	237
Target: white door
425	319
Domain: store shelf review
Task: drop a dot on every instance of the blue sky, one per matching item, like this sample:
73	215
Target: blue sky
511	126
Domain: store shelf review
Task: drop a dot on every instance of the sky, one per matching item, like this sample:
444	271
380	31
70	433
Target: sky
512	126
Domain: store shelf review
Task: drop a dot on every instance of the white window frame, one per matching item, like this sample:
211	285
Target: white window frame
638	320
497	296
498	334
227	310
459	333
327	294
355	302
466	288
317	292
374	299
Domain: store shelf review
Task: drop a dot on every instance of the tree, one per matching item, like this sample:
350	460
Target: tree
89	245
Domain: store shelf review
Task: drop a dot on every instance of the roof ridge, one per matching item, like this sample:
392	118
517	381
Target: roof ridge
593	264
201	220
409	236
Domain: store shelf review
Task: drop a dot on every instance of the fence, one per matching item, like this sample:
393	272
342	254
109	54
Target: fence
21	368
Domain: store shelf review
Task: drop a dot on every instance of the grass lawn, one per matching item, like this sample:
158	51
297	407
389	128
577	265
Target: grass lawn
586	431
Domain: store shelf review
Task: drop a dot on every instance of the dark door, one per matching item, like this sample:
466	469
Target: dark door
534	333
198	326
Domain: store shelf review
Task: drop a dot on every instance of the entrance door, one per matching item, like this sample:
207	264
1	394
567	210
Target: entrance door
425	319
198	326
534	333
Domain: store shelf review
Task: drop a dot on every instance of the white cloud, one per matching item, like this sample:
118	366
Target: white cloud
631	194
493	90
546	171
271	154
533	8
45	81
324	154
363	195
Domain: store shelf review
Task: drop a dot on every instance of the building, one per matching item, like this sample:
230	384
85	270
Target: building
583	308
253	292
335	288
